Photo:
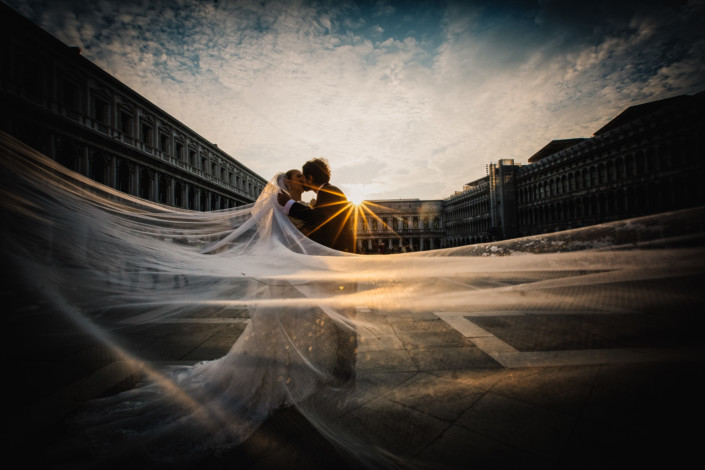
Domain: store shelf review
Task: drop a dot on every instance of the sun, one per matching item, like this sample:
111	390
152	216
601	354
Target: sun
356	198
356	194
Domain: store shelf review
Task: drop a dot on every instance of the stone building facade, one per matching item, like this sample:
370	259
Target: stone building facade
467	214
485	209
66	107
647	160
398	225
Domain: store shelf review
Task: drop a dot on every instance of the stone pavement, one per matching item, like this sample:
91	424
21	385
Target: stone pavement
450	389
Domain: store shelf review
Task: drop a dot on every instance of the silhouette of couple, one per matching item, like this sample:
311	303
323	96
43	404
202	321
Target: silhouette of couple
328	219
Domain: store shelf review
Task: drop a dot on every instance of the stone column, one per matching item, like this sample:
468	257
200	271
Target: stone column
132	185
153	185
111	179
184	196
170	190
84	161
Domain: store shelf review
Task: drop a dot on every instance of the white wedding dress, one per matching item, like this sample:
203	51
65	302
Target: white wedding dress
285	356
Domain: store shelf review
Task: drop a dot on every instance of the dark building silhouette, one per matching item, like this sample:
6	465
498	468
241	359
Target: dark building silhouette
647	160
66	107
467	214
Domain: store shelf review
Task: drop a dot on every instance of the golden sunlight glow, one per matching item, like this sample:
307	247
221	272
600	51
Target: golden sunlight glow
356	198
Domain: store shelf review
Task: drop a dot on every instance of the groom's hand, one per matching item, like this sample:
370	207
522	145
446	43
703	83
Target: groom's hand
282	198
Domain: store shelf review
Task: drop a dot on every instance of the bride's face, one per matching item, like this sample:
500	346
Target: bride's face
295	182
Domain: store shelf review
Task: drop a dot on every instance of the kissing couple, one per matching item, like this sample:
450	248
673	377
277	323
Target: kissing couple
328	219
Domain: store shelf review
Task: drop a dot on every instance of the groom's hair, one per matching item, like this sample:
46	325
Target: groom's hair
317	168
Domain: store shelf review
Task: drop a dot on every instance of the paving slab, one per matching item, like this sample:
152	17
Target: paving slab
396	428
519	424
393	360
460	448
452	358
443	398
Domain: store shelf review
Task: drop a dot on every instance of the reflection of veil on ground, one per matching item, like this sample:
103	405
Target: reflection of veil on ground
106	260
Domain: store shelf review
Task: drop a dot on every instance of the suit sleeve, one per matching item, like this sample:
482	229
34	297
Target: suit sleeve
326	206
305	213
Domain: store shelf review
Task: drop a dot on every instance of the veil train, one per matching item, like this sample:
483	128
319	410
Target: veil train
109	263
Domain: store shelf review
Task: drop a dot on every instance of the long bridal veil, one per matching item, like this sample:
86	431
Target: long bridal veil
106	262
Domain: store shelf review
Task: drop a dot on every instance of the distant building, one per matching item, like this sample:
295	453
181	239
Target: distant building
467	214
66	107
399	225
649	159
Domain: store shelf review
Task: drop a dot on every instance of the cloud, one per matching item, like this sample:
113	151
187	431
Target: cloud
403	101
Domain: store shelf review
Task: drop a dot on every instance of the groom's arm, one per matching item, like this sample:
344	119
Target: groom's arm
312	216
285	201
328	204
300	211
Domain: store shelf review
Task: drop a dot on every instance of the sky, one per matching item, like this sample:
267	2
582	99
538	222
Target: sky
404	99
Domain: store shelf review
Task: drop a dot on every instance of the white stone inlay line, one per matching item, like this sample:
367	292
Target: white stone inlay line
514	313
201	320
465	327
510	357
587	357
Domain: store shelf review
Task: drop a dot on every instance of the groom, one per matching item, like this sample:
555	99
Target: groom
329	222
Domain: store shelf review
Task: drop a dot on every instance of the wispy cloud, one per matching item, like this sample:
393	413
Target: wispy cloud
403	101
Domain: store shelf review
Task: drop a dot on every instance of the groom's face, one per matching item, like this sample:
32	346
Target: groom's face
308	183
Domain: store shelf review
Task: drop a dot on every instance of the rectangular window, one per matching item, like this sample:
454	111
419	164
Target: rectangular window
146	133
125	122
31	79
100	110
70	96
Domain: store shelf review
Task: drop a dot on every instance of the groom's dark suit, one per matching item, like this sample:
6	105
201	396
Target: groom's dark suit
330	220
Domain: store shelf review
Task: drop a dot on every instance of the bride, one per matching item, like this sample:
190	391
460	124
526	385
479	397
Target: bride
288	355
